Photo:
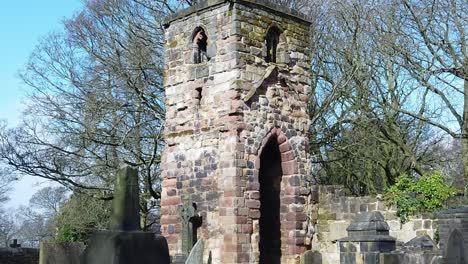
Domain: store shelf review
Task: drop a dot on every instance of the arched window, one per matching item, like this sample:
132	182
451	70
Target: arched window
272	40
199	45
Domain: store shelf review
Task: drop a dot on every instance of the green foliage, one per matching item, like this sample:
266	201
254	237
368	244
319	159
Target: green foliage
80	216
412	196
68	233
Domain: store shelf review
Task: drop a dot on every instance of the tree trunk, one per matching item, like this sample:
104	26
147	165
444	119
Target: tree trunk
464	130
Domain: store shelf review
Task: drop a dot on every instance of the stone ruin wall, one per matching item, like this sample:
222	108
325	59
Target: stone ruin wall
334	211
19	255
214	135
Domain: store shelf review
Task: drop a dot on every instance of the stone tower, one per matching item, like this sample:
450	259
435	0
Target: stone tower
237	84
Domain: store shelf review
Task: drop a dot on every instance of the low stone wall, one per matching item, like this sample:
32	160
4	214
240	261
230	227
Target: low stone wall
334	211
19	255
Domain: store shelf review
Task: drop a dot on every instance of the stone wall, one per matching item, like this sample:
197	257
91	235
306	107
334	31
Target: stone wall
221	113
334	211
19	255
453	222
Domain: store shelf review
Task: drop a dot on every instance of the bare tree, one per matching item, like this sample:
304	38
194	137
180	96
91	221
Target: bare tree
96	102
8	228
358	139
428	39
48	200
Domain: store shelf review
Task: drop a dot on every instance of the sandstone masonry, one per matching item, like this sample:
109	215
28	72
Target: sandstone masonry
237	85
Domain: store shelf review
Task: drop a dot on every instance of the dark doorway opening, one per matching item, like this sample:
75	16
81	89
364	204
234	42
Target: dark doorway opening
270	187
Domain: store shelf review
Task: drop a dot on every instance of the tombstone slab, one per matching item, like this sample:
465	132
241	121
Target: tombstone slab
311	257
125	244
196	254
58	253
124	247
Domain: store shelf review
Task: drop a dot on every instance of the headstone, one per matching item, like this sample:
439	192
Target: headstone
15	244
422	242
420	249
456	249
187	211
125	244
191	221
196	255
368	236
126	203
58	253
311	257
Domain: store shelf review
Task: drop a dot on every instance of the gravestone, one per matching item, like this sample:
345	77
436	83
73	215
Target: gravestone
368	236
196	254
126	244
187	211
15	244
311	257
190	221
419	250
422	242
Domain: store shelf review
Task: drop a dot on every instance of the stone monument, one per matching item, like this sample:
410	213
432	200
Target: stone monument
15	244
58	253
368	236
126	244
237	84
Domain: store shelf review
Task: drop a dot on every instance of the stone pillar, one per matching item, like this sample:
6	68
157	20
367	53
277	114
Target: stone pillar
368	236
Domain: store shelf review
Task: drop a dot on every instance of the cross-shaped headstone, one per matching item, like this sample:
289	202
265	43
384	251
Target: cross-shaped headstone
191	221
15	244
187	211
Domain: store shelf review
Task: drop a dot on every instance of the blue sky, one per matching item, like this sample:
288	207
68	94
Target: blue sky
22	24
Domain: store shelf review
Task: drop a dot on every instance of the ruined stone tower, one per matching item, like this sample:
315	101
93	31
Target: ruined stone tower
237	84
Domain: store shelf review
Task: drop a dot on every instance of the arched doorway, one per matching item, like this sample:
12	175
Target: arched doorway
270	186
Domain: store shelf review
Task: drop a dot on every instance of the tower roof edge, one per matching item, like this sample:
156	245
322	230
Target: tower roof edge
265	4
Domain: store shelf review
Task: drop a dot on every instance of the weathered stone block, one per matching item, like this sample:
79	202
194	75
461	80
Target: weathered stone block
58	253
122	247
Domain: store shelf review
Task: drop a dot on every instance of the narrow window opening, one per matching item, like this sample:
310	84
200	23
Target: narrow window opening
272	40
200	44
198	96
